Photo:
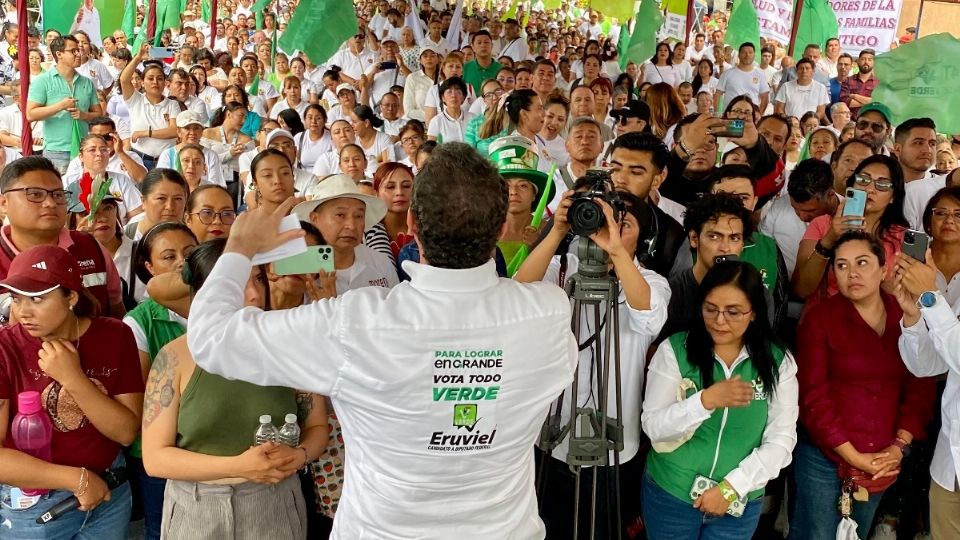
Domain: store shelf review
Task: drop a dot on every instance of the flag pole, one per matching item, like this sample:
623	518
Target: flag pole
23	64
919	17
797	12
213	22
151	23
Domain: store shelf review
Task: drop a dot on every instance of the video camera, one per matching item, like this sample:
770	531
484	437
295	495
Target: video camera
586	215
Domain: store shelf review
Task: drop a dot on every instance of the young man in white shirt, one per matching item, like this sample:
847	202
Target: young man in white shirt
457	367
435	40
797	97
745	79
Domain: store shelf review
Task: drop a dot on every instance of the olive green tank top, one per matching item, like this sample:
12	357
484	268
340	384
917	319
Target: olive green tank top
219	417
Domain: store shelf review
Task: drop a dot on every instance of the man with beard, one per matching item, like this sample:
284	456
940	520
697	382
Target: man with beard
874	127
857	91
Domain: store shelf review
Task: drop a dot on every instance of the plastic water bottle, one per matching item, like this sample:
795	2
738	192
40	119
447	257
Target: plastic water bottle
266	432
32	431
290	432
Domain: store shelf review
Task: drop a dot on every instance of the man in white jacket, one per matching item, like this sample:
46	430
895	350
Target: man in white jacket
441	384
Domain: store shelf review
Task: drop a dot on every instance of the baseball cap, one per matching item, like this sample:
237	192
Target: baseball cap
189	118
276	133
877	107
42	269
633	109
431	48
345	86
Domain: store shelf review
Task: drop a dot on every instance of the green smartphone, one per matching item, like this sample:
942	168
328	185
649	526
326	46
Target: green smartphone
311	261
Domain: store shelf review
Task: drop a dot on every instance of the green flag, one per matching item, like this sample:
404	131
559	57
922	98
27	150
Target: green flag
129	18
621	9
744	25
76	135
643	41
260	6
818	23
622	45
920	79
206	11
337	19
255	85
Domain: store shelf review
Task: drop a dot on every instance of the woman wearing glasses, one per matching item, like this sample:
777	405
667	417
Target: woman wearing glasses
721	412
412	136
210	212
882	179
484	128
861	408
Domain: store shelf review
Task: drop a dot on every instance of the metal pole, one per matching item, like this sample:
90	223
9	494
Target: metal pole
23	64
916	35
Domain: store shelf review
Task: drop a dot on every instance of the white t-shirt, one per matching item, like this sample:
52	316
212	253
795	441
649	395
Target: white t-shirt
309	150
779	221
144	114
448	129
281	106
735	82
798	100
327	163
354	65
654	74
919	193
97	72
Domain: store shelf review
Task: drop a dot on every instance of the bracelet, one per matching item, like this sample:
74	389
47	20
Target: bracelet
684	148
306	457
726	490
84	483
900	443
822	250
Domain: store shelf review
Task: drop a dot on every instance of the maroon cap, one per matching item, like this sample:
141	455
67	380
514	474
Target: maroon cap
42	269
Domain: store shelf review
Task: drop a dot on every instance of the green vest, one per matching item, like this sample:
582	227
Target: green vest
155	321
723	440
219	417
761	252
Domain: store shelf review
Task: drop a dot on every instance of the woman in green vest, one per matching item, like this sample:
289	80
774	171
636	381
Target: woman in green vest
721	413
198	432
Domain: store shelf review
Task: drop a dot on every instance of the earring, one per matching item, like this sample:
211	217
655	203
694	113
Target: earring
71	307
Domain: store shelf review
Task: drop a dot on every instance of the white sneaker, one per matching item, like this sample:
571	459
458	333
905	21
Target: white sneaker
884	531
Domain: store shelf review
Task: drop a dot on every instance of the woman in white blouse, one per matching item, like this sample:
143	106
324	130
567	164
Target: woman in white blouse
153	117
419	84
660	68
451	124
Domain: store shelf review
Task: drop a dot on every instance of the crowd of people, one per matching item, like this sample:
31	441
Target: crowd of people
786	257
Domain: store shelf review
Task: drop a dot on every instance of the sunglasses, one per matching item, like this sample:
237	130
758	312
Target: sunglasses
876	127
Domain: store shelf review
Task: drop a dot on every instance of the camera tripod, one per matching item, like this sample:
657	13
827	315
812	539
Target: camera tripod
593	435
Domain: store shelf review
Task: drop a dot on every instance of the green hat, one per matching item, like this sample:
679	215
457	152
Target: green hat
876	106
516	157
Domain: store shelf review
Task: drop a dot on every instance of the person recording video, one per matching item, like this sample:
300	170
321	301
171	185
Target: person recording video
642	304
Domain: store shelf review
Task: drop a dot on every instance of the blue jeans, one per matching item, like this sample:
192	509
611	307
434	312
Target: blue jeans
669	518
815	513
60	160
106	522
149	494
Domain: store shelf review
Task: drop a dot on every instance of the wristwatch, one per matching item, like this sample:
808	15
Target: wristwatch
927	299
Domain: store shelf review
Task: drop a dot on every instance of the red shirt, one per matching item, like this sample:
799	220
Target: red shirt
108	355
853	384
853	85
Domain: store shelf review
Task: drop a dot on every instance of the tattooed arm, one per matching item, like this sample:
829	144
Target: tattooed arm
171	369
312	415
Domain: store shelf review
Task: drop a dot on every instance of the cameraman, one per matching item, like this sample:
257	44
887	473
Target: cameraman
642	305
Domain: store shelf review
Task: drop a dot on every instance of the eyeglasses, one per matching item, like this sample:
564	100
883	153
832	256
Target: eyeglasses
495	93
282	145
94	151
741	112
412	139
882	184
876	127
943	213
38	195
71	51
731	315
207	217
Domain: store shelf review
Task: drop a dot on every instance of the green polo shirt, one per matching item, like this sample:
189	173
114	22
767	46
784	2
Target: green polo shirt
474	75
50	88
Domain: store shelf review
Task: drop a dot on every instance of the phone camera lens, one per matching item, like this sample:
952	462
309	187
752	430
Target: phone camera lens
909	238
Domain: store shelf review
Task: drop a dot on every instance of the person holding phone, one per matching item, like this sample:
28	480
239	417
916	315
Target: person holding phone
153	117
721	405
879	180
861	408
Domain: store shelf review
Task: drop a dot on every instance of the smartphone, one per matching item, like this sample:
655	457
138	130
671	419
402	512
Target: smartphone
731	128
388	65
856	203
915	244
161	52
725	258
313	260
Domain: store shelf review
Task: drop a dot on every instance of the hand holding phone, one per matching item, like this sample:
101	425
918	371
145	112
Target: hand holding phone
854	207
731	128
915	244
312	261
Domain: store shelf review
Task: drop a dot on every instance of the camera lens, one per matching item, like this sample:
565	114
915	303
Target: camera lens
909	238
585	217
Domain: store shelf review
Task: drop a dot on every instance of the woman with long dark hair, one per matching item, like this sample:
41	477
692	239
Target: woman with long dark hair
882	179
660	69
721	412
703	78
